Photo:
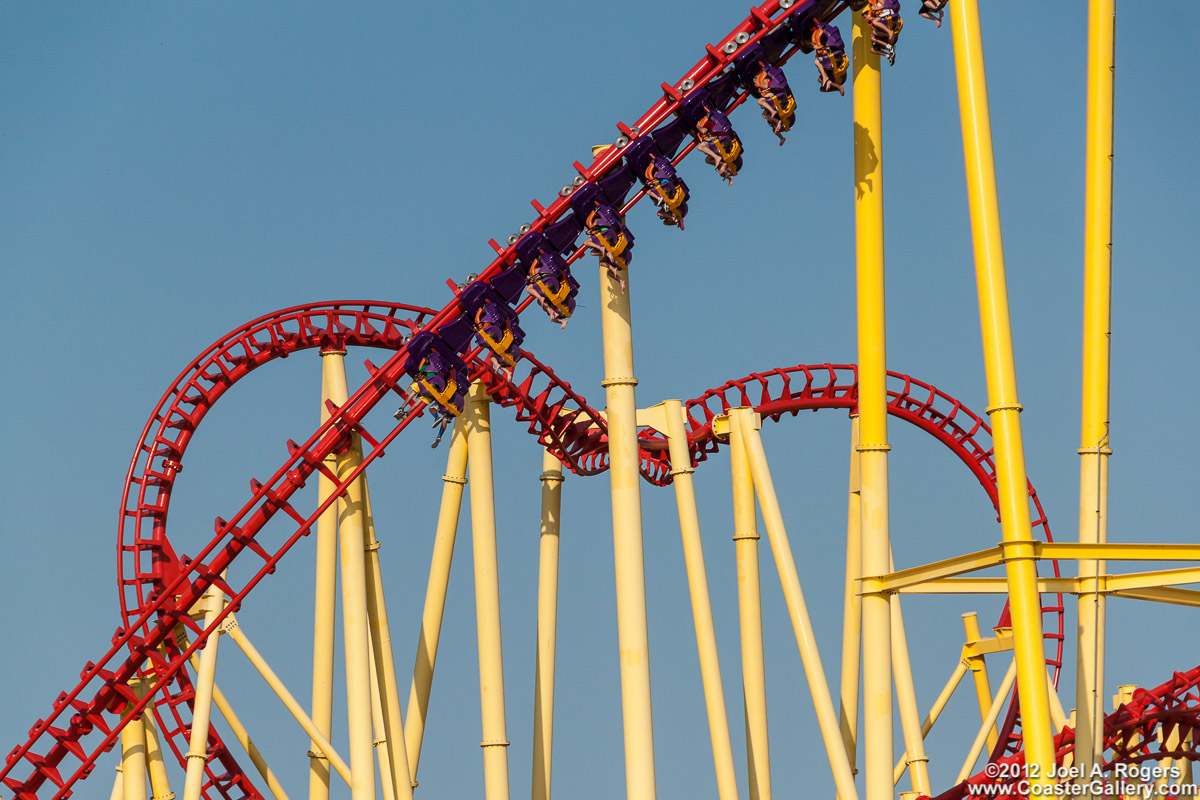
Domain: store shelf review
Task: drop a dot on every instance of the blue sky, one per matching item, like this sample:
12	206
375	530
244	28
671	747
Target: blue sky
171	171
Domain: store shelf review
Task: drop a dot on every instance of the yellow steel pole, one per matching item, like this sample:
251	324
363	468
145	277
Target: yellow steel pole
989	722
333	388
356	627
243	737
906	701
435	595
487	594
1094	446
935	711
239	730
547	626
852	607
197	754
382	743
754	676
256	660
872	407
979	673
133	756
383	660
706	635
160	784
1003	406
744	423
118	790
629	559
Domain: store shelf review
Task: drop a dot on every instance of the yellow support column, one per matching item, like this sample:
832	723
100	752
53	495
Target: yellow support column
435	595
906	701
133	756
160	785
852	608
197	754
384	663
333	388
547	626
749	583
487	594
745	426
356	628
1093	440
118	790
706	635
878	753
1003	406
629	559
979	673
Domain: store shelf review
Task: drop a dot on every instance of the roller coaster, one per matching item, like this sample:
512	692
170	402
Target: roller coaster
152	693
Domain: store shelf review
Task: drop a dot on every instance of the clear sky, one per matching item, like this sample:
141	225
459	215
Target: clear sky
173	170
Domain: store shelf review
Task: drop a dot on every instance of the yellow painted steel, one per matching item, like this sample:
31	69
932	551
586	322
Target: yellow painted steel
118	790
243	737
256	660
197	754
383	660
989	722
1094	445
1058	714
160	784
914	576
435	595
785	565
237	728
628	555
1003	405
906	701
706	635
133	755
852	608
547	626
487	594
333	389
754	678
878	750
1179	597
382	743
356	627
935	711
979	672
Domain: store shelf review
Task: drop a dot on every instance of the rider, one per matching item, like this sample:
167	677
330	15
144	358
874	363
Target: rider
604	229
774	94
549	267
830	57
933	9
715	135
659	176
884	17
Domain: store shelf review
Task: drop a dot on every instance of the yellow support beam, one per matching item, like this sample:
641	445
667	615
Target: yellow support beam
852	608
629	560
333	389
547	626
435	595
702	616
487	594
793	594
1094	449
1003	406
978	666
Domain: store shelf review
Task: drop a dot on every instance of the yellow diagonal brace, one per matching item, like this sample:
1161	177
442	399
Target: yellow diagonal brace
1179	597
938	569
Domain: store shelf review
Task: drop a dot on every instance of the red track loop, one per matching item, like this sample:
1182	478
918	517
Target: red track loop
559	417
1138	731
